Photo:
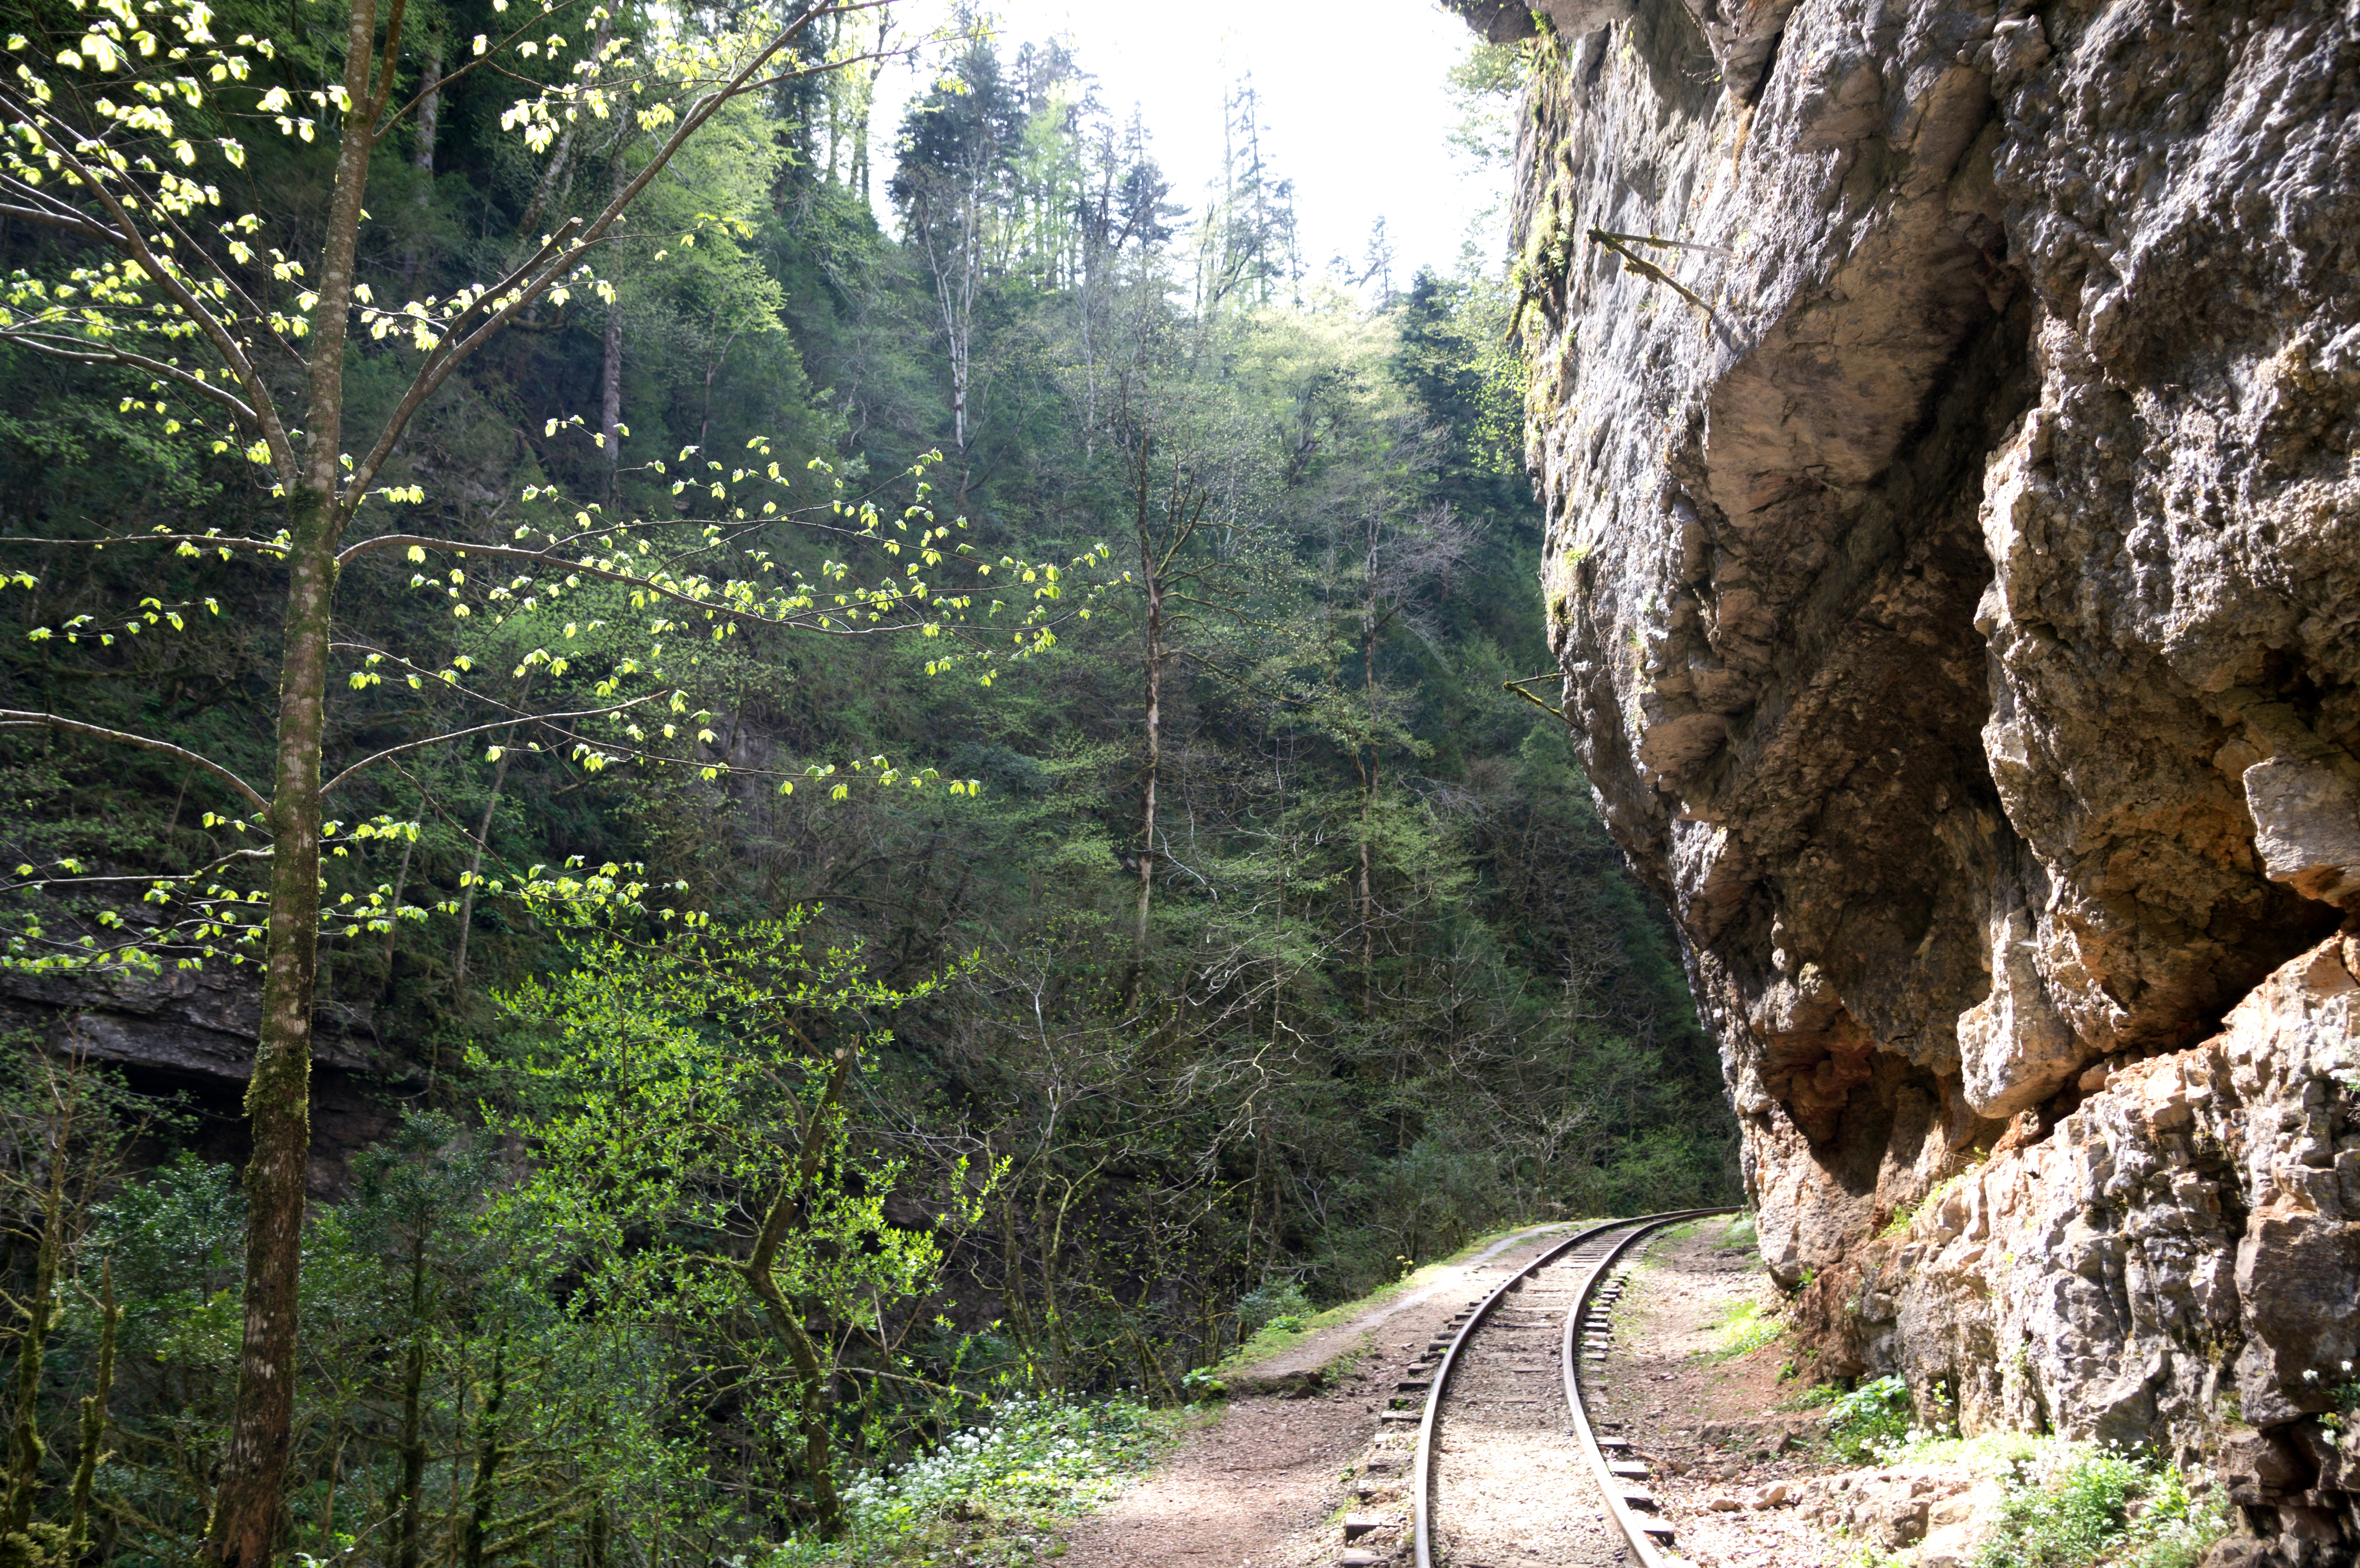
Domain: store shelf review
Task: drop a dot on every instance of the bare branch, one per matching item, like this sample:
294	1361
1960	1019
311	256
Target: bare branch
146	878
71	221
210	542
71	349
508	723
17	719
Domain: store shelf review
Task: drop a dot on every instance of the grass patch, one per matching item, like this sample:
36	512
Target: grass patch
1743	1329
1284	1330
995	1493
1743	1231
2077	1505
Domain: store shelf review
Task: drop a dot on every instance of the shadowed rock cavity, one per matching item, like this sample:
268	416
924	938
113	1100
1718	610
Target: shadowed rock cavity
1956	602
190	1034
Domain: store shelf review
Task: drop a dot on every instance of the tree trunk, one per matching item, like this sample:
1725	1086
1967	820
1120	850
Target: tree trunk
870	70
1060	1336
393	922
93	1416
483	1498
475	861
277	1098
421	155
26	1449
246	1508
413	1421
1372	780
1152	581
610	377
786	1212
429	103
1019	1308
1154	761
556	182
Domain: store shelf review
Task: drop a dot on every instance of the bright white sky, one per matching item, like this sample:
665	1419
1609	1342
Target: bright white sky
1356	109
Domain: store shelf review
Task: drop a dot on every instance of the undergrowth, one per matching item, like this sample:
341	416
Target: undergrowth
1744	1328
2070	1504
1284	1307
1866	1425
2077	1505
995	1493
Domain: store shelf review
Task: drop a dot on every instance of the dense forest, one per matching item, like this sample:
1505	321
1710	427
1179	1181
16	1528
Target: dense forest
940	810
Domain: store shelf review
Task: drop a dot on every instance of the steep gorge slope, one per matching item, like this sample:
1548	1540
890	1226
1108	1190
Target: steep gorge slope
1956	602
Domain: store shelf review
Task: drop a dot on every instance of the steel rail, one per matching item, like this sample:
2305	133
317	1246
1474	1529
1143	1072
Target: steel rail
1421	1466
1618	1507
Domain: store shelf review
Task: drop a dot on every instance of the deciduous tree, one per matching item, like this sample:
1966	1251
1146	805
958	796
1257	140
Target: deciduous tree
120	136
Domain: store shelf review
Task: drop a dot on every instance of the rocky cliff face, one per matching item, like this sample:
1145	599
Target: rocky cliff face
1945	411
192	1033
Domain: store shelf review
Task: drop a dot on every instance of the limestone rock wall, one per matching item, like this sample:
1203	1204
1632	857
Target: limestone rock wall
191	1034
1954	559
2175	1256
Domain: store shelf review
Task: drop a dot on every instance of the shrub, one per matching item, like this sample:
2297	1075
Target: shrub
1870	1419
1271	1306
2072	1505
1036	1461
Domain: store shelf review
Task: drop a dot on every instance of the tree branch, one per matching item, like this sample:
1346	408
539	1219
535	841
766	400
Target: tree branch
378	133
71	349
508	723
212	542
17	719
126	237
69	220
543	558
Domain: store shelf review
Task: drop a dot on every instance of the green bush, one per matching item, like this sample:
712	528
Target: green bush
1872	1416
1001	1485
1281	1306
2077	1505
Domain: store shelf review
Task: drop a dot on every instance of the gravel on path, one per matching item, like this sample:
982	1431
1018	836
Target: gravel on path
1263	1486
1709	1424
1512	1487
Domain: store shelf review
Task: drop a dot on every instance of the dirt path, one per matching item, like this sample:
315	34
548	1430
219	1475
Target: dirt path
1728	1462
1262	1486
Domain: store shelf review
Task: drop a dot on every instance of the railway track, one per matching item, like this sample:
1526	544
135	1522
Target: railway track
1504	1439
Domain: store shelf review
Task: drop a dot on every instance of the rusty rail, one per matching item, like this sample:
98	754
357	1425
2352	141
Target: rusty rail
1626	1518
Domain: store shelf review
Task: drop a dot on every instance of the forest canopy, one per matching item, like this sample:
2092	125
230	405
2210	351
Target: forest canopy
946	799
